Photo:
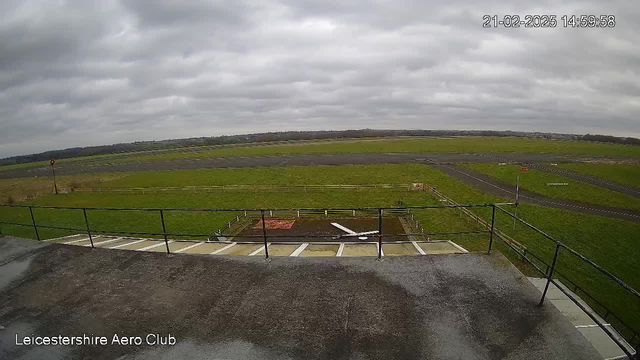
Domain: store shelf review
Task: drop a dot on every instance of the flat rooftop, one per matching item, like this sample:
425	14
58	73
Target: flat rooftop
421	307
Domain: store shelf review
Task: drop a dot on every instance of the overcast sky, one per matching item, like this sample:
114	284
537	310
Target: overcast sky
75	73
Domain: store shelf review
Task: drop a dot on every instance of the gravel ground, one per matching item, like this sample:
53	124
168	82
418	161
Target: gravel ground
423	307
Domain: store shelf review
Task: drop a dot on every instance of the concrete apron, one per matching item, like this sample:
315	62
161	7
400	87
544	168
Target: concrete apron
257	249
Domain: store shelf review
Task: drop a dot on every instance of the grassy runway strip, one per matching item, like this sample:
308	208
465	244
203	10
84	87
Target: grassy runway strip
461	144
610	243
626	174
538	182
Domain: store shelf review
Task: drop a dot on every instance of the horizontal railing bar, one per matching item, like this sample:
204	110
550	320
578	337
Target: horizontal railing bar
60	228
599	268
254	209
594	318
12	223
529	225
563	276
582	257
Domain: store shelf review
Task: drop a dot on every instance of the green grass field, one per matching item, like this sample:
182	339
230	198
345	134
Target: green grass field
536	181
623	173
608	242
461	144
292	175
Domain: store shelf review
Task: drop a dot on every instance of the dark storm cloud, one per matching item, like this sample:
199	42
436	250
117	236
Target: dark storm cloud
98	72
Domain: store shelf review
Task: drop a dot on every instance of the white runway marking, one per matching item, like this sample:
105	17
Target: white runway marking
154	246
75	241
299	250
418	248
104	242
379	248
590	326
222	249
260	249
188	247
126	244
340	250
65	237
458	246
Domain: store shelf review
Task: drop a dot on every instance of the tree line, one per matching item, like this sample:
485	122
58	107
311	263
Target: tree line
293	136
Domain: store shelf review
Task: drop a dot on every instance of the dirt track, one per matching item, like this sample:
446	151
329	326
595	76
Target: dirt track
493	186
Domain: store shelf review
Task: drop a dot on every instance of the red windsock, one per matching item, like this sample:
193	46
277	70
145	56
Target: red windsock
19	213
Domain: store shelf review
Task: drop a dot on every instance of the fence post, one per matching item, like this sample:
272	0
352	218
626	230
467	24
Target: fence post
550	276
264	235
86	222
33	220
164	231
379	234
493	226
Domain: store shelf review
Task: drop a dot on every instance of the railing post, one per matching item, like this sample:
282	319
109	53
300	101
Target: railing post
164	231
264	235
86	222
379	234
550	276
493	226
33	220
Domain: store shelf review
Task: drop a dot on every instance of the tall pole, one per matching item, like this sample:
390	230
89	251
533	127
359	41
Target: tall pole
550	276
515	212
55	186
264	235
86	222
379	234
164	231
52	163
493	227
33	220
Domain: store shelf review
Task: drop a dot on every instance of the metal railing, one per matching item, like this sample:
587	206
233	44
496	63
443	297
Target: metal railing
551	271
379	213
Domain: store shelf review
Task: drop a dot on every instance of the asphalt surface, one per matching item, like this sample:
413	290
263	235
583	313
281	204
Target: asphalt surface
291	160
497	187
427	307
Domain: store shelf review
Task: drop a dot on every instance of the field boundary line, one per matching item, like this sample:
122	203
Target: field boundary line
254	188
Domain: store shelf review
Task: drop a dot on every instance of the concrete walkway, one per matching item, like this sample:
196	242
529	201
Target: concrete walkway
587	327
231	248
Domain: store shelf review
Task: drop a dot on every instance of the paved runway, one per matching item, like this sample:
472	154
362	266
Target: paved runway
292	160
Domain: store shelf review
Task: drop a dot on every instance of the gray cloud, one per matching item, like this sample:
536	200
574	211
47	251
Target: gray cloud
76	73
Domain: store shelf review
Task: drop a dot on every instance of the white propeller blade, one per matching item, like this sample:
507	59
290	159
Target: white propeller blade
348	231
361	234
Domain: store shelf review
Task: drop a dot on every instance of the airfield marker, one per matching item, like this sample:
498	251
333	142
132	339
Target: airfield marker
153	246
222	249
127	244
106	241
75	241
418	248
299	250
340	250
189	247
259	250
